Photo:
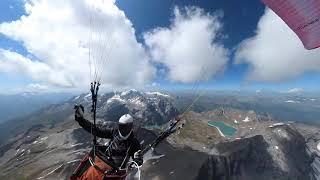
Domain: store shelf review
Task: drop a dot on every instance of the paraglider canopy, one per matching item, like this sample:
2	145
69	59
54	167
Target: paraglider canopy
302	16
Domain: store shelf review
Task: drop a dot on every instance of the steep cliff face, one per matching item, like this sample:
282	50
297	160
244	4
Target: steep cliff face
280	153
312	136
239	160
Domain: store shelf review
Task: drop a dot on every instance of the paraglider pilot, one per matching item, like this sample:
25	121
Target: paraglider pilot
122	144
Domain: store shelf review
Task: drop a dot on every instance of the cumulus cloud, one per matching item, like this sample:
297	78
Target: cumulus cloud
57	34
275	53
12	62
189	47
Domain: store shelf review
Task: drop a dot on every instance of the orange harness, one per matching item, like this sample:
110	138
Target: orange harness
93	168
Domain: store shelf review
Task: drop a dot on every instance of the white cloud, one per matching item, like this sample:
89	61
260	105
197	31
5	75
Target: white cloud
34	87
188	48
275	53
295	90
57	34
11	62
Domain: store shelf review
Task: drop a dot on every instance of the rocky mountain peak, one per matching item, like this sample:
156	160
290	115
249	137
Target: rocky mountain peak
148	108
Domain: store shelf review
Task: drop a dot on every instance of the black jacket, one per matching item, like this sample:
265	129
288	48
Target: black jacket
117	148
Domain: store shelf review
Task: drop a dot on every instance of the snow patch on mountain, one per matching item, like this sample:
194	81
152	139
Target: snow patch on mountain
246	119
124	93
157	94
116	97
135	97
276	124
137	101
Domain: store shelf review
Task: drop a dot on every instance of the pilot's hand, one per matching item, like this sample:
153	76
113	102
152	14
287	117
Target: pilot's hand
138	157
79	112
137	154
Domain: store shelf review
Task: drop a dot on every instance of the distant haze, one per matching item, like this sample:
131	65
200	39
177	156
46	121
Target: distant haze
18	105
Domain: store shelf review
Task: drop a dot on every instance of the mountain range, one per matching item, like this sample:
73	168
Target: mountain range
48	144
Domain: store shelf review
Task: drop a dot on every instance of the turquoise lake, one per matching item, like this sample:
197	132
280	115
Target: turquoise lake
224	128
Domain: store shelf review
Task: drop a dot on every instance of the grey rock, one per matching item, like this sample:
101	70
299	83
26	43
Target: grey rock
280	153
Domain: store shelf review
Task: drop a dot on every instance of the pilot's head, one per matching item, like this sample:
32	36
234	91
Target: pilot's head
125	126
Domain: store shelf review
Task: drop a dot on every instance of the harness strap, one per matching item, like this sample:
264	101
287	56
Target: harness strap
109	145
125	159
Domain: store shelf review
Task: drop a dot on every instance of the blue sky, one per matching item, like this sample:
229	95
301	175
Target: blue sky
239	21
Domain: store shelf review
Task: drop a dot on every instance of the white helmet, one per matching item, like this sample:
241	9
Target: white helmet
125	126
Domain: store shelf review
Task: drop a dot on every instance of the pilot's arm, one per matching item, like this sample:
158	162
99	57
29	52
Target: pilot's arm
102	132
